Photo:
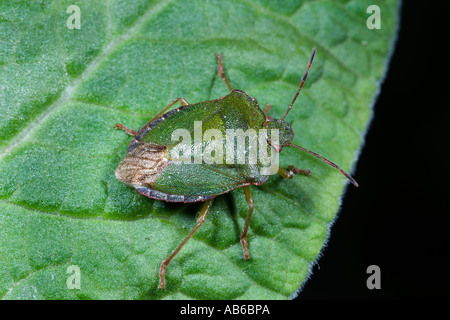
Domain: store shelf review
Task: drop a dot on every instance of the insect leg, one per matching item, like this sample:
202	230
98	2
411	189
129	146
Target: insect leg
289	173
299	171
266	110
251	206
222	73
182	101
131	132
200	219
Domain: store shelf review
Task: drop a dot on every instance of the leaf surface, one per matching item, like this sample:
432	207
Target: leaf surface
63	90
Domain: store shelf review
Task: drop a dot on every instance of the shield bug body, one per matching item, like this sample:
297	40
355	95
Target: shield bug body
154	167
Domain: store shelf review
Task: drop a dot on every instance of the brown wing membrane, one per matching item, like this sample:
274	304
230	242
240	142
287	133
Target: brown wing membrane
143	164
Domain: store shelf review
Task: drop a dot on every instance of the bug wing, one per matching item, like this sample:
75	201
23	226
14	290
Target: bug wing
143	165
199	180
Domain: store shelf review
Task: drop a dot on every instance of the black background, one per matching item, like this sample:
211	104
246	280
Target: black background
398	217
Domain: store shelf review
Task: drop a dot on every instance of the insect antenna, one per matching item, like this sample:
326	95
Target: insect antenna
349	177
302	82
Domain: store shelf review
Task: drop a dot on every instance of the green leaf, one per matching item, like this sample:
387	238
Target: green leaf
63	90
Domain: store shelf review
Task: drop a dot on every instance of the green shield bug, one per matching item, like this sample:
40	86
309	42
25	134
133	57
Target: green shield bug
213	164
